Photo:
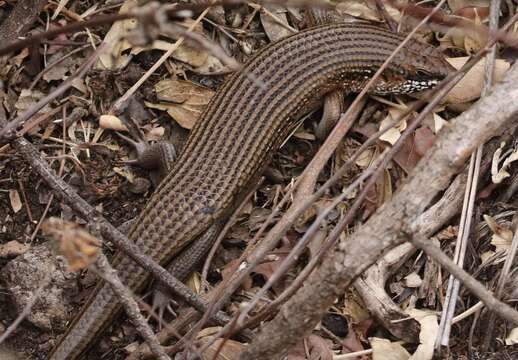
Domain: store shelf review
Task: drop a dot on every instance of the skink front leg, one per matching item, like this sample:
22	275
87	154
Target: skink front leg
161	156
184	265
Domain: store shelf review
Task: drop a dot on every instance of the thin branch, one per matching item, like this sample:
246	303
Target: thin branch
122	100
86	211
469	200
297	250
306	181
386	227
176	12
26	310
466	279
8	132
109	274
460	248
80	25
56	62
494	15
180	11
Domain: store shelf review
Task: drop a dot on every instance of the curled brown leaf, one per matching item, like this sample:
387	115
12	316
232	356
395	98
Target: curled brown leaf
75	244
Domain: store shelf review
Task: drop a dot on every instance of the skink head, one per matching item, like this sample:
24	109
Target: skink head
418	66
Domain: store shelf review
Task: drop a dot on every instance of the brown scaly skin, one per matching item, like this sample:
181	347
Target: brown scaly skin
242	126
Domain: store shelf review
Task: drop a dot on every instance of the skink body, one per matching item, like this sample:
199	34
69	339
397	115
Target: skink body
241	128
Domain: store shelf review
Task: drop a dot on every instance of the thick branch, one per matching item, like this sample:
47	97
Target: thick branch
395	218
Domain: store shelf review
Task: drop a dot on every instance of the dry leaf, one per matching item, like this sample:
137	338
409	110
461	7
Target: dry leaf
75	244
212	65
79	84
190	55
16	203
18	59
365	158
28	98
469	88
184	101
231	350
59	71
358	9
199	60
271	264
427	335
267	268
49	129
497	176
193	282
465	38
208	331
485	256
502	237
438	123
154	134
184	53
477	13
413	280
407	157
272	28
15	61
131	348
304	135
393	134
111	122
128	175
319	348
384	189
512	338
115	38
383	349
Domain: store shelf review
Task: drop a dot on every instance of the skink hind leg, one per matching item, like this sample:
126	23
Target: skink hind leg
184	265
161	156
333	108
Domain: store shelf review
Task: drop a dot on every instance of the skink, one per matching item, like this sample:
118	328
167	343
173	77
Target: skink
241	128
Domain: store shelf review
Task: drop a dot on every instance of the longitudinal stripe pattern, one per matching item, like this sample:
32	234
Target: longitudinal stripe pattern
242	126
